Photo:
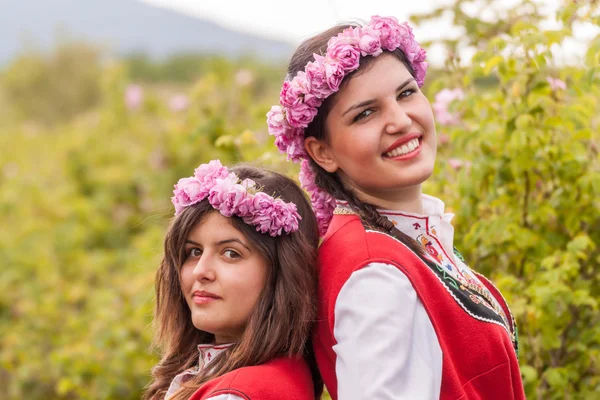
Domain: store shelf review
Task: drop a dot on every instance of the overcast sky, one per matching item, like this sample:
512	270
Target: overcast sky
293	21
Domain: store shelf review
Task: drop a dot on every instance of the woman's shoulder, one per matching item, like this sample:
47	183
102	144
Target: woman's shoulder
280	378
348	237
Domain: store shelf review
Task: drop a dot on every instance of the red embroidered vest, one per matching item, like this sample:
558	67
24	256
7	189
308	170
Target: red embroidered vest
282	378
479	355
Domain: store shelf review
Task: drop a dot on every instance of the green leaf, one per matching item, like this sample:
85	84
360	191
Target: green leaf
491	63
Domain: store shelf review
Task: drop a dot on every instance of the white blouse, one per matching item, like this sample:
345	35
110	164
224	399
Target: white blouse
384	351
207	353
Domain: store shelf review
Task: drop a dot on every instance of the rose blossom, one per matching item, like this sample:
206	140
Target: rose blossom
300	115
207	174
342	48
276	121
316	74
556	84
442	103
226	194
369	43
186	192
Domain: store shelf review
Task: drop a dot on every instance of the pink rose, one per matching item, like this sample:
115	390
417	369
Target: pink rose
300	115
179	102
274	216
334	74
442	104
556	84
134	97
316	75
277	122
342	49
259	202
295	150
420	67
389	31
323	203
226	195
207	174
457	164
187	192
368	42
298	90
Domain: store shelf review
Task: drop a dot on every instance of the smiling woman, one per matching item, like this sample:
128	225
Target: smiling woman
236	289
401	315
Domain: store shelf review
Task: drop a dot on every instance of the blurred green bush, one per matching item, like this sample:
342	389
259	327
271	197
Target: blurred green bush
90	149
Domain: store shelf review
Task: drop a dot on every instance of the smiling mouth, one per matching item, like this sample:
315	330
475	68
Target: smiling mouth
404	149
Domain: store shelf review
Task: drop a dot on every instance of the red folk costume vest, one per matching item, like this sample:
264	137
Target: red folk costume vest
478	346
282	378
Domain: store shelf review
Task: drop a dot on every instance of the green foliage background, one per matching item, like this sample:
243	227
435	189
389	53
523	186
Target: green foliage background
85	185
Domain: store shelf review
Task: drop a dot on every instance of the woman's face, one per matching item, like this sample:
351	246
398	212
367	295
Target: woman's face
381	133
222	277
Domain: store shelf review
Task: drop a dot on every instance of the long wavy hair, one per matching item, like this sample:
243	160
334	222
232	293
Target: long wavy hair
282	318
329	182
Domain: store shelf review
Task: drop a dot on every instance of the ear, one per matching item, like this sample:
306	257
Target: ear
320	152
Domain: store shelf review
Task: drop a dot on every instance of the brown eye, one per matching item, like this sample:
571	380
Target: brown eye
362	115
406	93
194	252
231	254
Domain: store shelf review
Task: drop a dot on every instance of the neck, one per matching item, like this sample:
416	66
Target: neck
407	200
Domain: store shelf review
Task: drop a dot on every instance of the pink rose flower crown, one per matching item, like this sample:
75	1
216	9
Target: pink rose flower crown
230	196
301	97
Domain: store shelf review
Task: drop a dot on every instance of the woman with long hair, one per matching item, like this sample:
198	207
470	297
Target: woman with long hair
236	289
401	316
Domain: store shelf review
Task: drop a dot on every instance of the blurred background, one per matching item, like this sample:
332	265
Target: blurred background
104	105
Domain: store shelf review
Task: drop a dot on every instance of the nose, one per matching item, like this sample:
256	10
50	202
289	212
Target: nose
397	119
204	269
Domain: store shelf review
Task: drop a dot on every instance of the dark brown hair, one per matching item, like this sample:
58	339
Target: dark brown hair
282	318
331	183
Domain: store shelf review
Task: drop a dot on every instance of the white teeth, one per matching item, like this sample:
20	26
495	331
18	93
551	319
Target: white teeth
405	149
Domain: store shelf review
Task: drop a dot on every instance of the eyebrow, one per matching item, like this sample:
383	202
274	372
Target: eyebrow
369	102
220	243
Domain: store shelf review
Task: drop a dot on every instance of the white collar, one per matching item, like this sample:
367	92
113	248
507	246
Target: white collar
432	207
208	352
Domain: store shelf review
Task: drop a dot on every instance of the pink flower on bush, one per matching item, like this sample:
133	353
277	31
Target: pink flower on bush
179	102
556	84
244	77
443	138
134	97
457	164
442	104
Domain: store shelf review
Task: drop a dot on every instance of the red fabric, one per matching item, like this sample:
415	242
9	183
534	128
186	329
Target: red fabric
283	378
479	361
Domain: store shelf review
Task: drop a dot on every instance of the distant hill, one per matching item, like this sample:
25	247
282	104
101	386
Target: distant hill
125	26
